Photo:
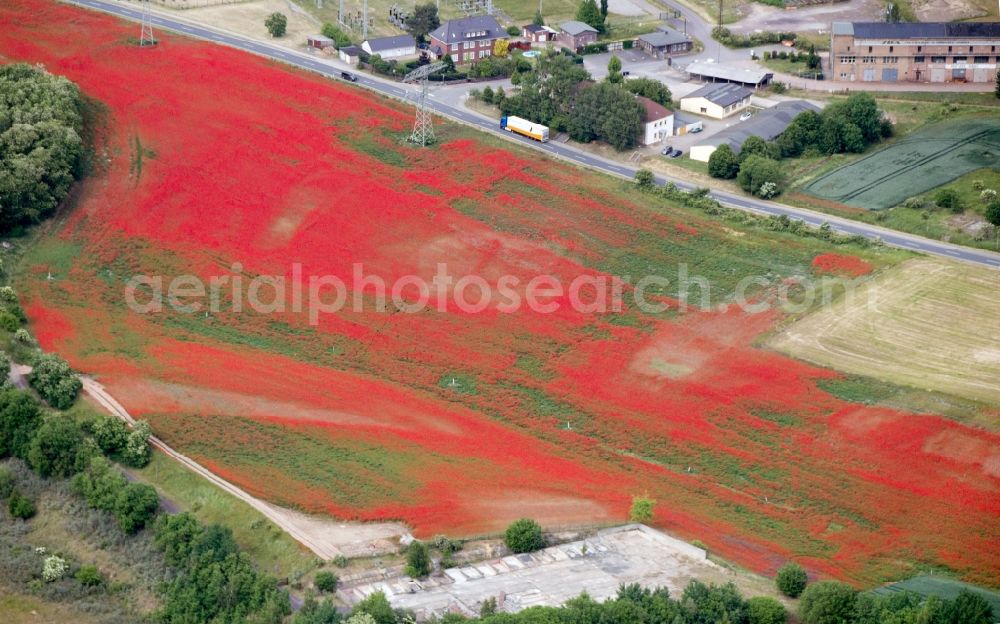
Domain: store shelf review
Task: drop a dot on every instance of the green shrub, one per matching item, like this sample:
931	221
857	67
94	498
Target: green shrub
55	381
20	418
791	579
326	581
89	576
135	506
523	536
9	322
20	506
949	199
827	602
513	31
58	448
7	482
110	434
765	610
642	509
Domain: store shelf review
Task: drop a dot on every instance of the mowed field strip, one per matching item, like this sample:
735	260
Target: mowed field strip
931	324
926	159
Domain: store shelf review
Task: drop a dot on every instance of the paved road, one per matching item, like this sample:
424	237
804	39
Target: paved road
564	151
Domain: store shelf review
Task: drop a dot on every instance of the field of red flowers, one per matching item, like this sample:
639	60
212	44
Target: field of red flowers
451	421
841	264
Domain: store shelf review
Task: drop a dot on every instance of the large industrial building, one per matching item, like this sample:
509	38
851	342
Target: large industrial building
905	52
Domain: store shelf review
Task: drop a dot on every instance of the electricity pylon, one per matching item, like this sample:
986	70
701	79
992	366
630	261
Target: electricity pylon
146	29
423	126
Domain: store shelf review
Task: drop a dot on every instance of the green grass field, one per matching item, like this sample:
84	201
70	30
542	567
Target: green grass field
924	160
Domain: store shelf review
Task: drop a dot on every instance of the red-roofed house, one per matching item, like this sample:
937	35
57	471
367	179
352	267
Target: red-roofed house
657	121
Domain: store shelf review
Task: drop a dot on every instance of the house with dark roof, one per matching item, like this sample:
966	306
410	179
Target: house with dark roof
717	100
767	124
538	34
467	39
575	35
391	47
657	121
914	52
665	42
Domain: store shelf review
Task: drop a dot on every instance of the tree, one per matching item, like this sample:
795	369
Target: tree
642	509
971	608
851	139
756	171
110	434
892	14
992	213
644	178
604	9
487	95
418	560
99	484
58	448
650	88
523	536
20	506
423	20
540	21
136	452
276	23
326	581
813	60
948	199
765	610
589	14
723	163
40	154
827	602
314	612
376	606
500	48
791	579
615	70
55	381
20	417
340	38
753	145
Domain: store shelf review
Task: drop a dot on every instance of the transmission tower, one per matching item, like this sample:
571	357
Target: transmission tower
146	28
423	126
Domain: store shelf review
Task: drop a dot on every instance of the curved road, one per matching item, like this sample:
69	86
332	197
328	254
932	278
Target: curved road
332	69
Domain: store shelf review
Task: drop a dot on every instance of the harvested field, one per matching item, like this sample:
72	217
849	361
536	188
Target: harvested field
452	421
925	159
931	324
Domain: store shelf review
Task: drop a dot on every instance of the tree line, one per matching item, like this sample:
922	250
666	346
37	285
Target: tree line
850	125
41	145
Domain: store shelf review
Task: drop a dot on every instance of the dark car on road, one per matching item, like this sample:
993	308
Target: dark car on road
677	154
666	150
348	76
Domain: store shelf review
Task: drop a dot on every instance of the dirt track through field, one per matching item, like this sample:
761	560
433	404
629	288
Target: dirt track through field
930	324
324	537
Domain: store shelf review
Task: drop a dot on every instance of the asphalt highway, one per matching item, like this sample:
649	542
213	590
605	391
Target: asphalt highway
564	151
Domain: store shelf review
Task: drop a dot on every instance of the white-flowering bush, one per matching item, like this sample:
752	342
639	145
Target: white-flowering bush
54	568
7	295
23	337
768	190
987	196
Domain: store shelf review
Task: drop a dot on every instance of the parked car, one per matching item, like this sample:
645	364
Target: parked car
677	154
697	130
666	150
348	76
746	115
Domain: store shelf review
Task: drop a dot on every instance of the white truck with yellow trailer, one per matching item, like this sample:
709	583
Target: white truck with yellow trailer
526	128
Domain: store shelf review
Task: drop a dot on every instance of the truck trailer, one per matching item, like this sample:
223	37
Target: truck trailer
526	128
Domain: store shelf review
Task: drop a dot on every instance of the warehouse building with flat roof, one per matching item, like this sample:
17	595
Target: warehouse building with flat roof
905	52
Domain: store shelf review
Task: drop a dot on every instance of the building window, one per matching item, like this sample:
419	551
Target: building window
949	48
848	59
889	60
869	49
982	59
918	59
920	48
890	49
454	47
937	59
868	59
960	59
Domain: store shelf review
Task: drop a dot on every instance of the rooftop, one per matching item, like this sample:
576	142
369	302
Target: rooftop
320	38
575	28
651	110
721	93
470	28
907	30
664	37
726	72
391	43
767	124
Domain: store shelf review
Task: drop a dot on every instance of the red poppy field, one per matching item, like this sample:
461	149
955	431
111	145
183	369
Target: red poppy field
453	421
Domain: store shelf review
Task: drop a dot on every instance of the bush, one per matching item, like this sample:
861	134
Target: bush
642	509
9	322
644	178
135	506
54	568
136	452
765	610
22	337
110	434
55	381
913	203
523	536
326	581
58	448
513	31
758	171
791	579
949	199
418	560
20	506
276	23
340	38
827	602
89	576
20	418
